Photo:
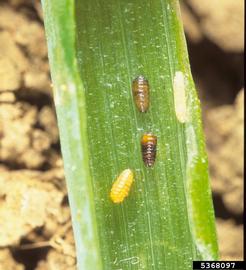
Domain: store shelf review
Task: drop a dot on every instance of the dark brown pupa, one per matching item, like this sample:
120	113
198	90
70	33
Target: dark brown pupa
148	144
140	89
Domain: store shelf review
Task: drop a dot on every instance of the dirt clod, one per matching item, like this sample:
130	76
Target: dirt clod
225	151
7	261
22	194
12	63
48	121
230	240
221	21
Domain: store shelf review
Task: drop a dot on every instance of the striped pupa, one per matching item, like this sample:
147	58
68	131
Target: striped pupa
140	89
148	145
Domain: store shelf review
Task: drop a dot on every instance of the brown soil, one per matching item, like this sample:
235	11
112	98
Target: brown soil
31	174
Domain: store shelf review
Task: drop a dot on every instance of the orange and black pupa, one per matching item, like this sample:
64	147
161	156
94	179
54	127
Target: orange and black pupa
140	89
121	186
148	145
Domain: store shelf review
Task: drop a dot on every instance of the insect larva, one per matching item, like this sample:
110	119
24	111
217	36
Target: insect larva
148	144
121	186
140	89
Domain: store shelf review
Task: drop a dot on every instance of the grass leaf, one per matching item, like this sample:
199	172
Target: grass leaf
96	48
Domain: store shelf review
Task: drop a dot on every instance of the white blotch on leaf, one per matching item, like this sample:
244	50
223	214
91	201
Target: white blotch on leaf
205	250
180	96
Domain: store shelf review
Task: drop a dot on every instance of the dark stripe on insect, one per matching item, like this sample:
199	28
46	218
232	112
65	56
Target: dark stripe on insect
148	145
140	89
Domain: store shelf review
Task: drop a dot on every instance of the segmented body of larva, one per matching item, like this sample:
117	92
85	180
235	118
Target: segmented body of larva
121	186
148	145
140	89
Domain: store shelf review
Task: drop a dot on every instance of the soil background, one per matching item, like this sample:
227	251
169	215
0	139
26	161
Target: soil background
35	226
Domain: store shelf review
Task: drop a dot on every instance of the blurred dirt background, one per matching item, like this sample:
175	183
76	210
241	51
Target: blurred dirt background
35	227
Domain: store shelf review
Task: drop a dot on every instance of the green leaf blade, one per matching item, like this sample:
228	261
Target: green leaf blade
167	220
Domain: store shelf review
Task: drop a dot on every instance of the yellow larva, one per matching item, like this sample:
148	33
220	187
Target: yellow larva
121	186
180	96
